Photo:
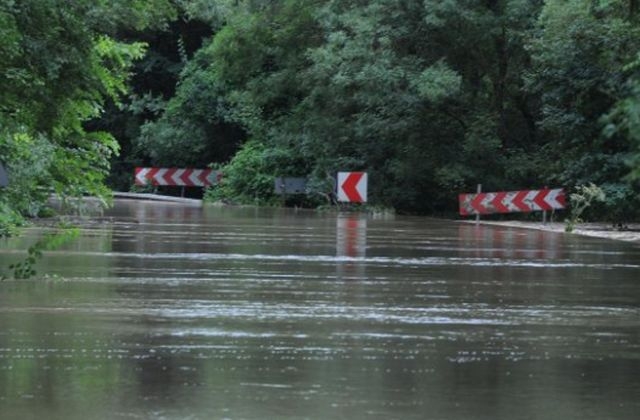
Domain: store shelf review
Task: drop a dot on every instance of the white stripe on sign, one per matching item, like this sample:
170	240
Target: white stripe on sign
193	178
176	176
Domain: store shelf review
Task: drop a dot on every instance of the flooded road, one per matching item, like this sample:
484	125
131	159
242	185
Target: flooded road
173	312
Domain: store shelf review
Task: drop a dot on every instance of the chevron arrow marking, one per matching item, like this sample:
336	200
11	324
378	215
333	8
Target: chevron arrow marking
465	204
151	176
352	187
518	201
167	177
556	199
476	203
159	176
486	201
181	177
141	176
203	176
539	200
498	203
184	178
177	176
512	201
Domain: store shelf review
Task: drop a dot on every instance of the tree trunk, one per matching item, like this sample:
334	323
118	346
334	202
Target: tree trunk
500	84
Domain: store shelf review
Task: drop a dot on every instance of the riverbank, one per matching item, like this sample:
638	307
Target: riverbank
597	230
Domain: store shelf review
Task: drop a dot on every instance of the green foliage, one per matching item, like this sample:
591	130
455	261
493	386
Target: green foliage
438	82
245	180
25	269
28	159
59	66
578	57
233	88
624	118
431	98
249	177
621	203
580	200
111	16
9	220
193	130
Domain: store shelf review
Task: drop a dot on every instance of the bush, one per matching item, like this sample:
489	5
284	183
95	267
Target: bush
247	179
584	196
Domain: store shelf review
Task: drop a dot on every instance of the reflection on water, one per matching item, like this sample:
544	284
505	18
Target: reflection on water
499	242
351	235
167	311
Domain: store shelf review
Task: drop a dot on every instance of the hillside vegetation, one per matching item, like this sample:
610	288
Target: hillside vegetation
430	97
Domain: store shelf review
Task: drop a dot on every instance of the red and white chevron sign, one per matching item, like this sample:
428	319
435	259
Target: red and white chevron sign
352	187
177	177
511	201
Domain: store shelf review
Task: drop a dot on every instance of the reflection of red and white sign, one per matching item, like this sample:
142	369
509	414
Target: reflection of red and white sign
352	187
177	177
351	236
508	243
511	201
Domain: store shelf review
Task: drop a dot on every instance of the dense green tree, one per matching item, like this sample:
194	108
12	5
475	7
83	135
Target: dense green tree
624	118
370	99
579	53
59	63
236	87
152	84
484	41
429	97
391	89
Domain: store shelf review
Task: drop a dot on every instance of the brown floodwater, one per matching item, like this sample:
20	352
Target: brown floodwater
165	311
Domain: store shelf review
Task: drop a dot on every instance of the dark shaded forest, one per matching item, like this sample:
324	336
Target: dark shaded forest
429	97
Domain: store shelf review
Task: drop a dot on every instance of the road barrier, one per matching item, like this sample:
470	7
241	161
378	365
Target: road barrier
181	177
512	201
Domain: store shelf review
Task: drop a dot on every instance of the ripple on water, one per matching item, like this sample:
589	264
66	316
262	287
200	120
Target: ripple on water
383	261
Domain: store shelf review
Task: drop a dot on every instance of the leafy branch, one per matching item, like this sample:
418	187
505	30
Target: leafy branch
25	269
584	196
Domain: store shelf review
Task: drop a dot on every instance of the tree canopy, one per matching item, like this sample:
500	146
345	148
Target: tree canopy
429	97
60	62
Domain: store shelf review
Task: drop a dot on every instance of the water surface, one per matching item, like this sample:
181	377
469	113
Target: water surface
169	311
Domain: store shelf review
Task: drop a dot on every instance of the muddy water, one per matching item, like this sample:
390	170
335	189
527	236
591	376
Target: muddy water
172	312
